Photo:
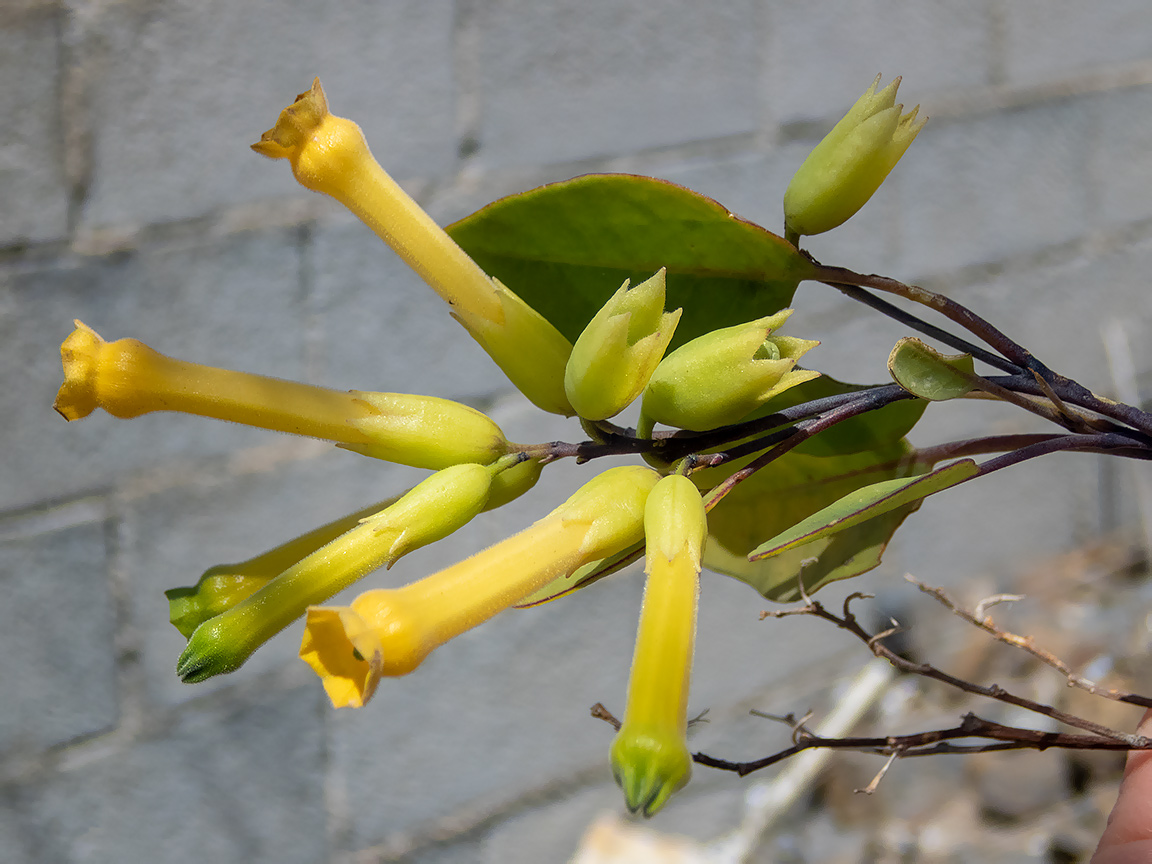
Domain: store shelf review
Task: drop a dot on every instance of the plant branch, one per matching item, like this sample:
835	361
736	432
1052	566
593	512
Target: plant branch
847	621
985	623
969	320
916	323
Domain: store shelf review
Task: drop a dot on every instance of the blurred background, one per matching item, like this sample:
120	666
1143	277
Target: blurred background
129	199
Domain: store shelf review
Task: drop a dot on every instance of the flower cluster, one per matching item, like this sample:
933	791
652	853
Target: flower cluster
713	380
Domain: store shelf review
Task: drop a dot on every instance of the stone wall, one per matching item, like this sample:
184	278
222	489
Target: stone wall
129	199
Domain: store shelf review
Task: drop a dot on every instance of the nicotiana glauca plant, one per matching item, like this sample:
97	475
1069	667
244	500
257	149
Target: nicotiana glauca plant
590	295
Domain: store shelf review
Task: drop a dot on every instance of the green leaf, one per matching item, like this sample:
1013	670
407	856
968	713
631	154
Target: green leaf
566	247
865	503
925	372
789	490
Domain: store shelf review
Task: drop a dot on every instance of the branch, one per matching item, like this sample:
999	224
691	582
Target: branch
985	623
970	321
931	743
847	621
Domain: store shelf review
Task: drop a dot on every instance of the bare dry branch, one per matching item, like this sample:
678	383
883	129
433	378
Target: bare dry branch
985	623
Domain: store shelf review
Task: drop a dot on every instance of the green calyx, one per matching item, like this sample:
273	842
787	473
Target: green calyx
722	376
844	170
619	350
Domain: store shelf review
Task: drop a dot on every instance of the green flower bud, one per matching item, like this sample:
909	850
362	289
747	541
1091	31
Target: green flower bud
619	350
723	376
425	431
848	166
428	512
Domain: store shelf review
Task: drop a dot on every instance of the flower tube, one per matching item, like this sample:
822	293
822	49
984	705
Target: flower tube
390	632
127	378
649	755
329	155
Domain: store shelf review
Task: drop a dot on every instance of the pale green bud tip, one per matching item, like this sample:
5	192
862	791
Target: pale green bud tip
649	768
675	522
619	349
844	170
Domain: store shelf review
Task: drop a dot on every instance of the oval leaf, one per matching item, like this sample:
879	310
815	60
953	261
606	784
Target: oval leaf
925	372
865	503
566	247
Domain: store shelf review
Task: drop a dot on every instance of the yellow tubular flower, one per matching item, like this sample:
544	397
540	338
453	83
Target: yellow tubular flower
329	155
649	755
429	512
127	378
223	586
390	632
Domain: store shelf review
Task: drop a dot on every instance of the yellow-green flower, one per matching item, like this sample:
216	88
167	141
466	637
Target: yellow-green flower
329	155
429	512
650	758
127	378
619	349
848	166
723	376
390	632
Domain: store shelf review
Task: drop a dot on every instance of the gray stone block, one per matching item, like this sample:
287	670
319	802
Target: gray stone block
988	187
565	81
15	839
183	88
1046	40
242	784
32	183
384	329
823	55
58	659
1121	161
234	303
